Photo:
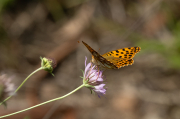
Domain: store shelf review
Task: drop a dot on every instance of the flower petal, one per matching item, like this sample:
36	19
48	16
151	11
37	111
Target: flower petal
100	89
85	60
95	78
86	69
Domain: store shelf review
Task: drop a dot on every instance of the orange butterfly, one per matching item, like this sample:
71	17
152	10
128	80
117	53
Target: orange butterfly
114	59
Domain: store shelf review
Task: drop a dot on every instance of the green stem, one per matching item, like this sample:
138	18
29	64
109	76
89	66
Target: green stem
21	84
44	102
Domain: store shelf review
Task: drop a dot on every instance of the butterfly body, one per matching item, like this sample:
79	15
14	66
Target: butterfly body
114	59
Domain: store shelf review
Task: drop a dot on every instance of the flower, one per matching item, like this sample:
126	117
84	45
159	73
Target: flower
48	64
93	79
6	87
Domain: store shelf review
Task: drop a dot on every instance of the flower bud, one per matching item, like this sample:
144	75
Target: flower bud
48	64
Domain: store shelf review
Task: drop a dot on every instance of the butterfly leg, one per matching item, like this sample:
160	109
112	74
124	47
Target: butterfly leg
98	73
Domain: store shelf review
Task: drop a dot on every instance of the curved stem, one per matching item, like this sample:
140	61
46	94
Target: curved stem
44	102
21	84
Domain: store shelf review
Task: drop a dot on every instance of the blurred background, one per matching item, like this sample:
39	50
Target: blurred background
148	89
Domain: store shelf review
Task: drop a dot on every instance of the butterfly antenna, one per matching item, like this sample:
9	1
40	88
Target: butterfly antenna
98	49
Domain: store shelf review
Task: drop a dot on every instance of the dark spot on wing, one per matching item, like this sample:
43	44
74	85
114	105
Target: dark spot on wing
122	52
117	51
112	52
120	56
137	49
134	49
129	48
116	54
123	49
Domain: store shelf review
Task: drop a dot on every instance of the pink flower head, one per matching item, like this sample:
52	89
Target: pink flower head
93	79
6	87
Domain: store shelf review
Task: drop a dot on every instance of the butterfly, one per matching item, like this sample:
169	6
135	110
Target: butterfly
114	59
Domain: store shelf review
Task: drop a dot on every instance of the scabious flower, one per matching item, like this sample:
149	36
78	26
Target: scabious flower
6	87
93	79
48	64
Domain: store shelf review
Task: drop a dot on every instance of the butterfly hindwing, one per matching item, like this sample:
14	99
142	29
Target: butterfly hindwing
124	53
122	62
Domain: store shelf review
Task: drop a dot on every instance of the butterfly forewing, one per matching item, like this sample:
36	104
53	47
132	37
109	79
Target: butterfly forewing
89	48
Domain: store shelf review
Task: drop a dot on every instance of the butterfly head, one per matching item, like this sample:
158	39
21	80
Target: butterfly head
94	60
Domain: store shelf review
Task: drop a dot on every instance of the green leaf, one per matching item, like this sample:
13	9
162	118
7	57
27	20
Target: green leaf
52	74
92	92
81	77
82	71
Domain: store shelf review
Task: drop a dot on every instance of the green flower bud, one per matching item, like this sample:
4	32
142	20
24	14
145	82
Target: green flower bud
48	64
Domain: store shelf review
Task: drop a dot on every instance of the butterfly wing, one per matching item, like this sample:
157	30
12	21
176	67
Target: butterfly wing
124	53
99	60
114	59
122	57
121	62
93	52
